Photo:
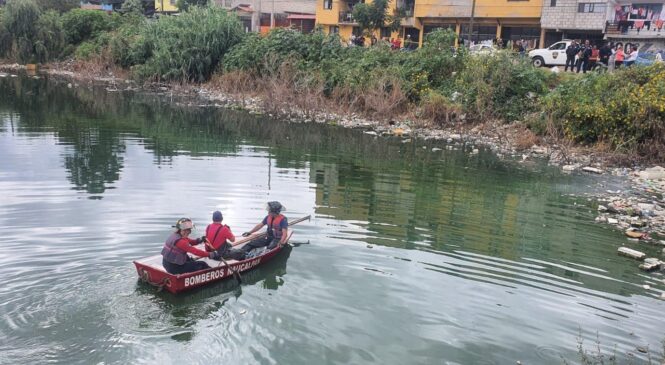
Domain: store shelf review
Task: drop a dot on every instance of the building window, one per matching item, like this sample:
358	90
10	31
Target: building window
327	4
333	29
172	2
552	3
591	8
385	32
227	3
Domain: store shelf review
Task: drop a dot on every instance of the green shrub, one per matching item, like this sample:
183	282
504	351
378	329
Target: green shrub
86	50
19	22
49	42
437	60
28	35
625	109
500	86
82	24
61	6
187	47
256	53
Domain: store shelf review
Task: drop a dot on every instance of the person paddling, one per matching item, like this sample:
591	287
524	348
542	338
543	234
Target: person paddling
277	229
175	259
218	236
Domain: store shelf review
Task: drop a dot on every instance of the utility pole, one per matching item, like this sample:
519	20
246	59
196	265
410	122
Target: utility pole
473	13
272	15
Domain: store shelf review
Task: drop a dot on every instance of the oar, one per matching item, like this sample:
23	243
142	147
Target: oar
235	272
260	235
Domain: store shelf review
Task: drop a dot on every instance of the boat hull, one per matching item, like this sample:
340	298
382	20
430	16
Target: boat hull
151	271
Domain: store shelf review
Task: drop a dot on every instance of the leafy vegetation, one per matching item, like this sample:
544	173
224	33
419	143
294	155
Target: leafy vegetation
375	15
624	109
184	48
184	5
60	6
81	24
19	30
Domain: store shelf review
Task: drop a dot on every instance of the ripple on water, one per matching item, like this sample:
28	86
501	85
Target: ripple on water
472	260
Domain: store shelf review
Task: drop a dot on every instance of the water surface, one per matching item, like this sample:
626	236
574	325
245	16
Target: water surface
412	256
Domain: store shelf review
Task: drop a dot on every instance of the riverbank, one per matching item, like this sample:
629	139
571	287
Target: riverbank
640	208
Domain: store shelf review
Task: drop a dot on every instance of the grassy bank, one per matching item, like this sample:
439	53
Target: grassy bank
435	86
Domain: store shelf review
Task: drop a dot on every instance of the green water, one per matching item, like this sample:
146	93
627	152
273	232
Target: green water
413	256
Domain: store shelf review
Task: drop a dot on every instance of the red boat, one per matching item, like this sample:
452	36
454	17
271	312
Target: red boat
151	271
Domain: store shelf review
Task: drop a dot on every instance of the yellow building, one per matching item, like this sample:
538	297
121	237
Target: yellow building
166	6
492	19
336	16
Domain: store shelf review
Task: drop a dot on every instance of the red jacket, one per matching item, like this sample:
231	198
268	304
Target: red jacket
176	248
186	244
217	234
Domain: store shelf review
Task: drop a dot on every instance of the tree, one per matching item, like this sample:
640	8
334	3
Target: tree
183	5
371	17
134	7
49	40
60	6
19	20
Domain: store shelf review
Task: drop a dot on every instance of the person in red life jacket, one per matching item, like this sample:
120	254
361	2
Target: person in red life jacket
174	254
277	229
218	236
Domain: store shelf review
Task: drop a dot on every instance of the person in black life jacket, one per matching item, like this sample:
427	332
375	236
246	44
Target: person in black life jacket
174	254
277	229
218	236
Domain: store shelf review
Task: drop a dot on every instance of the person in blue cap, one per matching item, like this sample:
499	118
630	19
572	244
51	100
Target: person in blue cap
277	228
219	238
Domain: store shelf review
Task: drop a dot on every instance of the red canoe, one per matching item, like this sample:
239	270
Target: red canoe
150	268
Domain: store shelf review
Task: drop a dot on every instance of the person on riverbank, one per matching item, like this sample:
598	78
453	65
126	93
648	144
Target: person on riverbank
277	229
219	238
618	57
593	59
522	48
571	51
584	54
605	53
174	254
632	57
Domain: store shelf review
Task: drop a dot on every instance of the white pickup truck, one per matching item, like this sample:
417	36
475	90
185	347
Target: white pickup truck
554	55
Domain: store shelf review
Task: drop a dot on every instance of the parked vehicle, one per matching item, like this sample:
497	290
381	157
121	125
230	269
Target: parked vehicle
554	55
482	49
647	58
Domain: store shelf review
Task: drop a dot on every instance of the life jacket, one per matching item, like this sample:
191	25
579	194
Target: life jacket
171	252
212	238
273	226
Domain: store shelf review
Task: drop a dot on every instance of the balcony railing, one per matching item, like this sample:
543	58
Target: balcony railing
407	11
629	28
346	17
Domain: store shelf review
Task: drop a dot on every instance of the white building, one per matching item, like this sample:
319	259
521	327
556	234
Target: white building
636	22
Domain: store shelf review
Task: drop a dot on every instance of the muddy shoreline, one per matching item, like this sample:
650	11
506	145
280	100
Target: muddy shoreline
638	211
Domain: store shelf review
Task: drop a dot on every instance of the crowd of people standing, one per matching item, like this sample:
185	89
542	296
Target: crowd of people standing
586	57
